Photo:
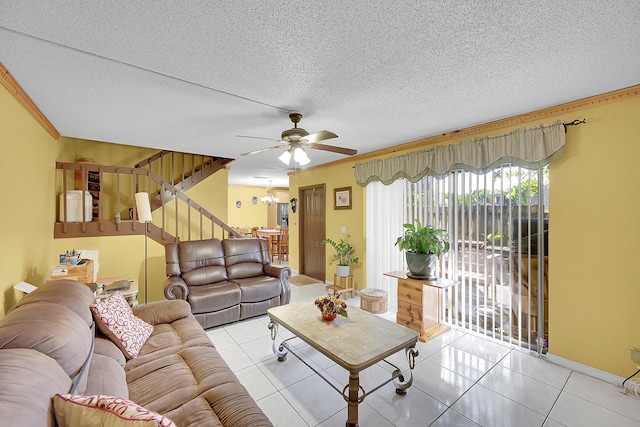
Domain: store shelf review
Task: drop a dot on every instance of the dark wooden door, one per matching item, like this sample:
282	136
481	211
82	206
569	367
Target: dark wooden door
312	231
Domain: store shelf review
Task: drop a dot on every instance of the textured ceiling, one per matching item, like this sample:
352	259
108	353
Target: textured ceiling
191	75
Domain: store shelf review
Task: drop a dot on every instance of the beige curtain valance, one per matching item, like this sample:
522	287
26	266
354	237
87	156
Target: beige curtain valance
529	147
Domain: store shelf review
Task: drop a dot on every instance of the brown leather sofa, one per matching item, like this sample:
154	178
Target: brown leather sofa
48	345
225	280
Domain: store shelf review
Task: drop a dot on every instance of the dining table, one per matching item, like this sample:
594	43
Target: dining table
270	234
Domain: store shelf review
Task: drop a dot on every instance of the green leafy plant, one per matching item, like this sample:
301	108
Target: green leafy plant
345	252
423	240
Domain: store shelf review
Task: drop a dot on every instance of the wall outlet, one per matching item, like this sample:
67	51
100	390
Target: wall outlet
634	353
343	229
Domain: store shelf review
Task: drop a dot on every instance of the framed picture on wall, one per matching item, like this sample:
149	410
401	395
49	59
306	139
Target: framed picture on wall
342	198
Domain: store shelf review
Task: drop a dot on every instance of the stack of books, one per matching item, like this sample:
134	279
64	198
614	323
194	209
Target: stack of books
116	285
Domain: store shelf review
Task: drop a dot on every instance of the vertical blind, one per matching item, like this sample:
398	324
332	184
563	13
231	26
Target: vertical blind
490	194
492	222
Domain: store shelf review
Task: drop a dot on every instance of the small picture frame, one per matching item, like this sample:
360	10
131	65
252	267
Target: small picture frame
342	198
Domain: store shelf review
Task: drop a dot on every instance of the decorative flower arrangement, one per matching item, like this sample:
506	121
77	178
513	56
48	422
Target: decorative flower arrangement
331	305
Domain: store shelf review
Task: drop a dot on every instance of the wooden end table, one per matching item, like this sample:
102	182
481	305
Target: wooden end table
420	304
342	285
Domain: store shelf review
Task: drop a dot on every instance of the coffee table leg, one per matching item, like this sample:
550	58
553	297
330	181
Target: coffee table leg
352	408
281	350
402	385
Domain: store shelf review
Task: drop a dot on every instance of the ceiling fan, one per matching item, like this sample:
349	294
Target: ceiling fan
297	139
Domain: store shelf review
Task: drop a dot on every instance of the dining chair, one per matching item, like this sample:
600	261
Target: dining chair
283	244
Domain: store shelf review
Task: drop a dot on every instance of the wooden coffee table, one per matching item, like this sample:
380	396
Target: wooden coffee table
354	343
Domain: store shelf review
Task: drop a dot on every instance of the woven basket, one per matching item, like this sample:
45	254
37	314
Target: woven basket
373	300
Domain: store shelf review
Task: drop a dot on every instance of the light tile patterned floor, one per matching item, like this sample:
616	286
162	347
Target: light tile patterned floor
459	380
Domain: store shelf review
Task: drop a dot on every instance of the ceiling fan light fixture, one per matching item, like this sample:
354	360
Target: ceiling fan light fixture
300	156
285	157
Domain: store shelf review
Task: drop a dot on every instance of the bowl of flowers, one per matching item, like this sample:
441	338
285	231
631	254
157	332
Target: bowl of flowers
331	305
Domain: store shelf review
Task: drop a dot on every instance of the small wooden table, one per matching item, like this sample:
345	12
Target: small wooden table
354	343
420	304
342	284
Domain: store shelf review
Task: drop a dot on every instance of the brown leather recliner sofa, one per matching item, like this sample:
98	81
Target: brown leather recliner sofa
225	280
49	344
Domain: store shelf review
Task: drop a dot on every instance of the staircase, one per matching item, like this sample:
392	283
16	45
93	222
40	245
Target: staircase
165	176
182	170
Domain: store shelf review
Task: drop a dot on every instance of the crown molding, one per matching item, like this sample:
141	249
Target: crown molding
569	107
14	89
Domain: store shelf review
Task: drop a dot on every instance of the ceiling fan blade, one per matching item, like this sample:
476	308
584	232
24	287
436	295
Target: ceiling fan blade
319	136
263	149
257	137
333	148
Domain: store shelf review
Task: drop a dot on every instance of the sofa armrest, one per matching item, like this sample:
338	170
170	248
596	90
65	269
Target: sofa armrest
175	288
283	273
163	311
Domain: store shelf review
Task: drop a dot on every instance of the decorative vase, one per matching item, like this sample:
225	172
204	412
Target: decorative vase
343	270
422	266
329	317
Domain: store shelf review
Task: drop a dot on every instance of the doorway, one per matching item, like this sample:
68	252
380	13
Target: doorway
312	231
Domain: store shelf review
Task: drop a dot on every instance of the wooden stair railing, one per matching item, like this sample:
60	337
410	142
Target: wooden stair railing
182	170
182	219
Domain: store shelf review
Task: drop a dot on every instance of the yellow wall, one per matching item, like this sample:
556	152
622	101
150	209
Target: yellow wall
26	219
336	176
28	169
248	215
594	230
594	233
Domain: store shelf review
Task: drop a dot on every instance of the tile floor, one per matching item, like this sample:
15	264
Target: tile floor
459	380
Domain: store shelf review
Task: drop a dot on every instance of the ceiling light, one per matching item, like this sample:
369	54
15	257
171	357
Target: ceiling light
300	156
269	199
285	157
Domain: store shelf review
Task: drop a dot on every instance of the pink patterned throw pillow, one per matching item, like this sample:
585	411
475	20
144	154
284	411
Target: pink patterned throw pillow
74	410
116	320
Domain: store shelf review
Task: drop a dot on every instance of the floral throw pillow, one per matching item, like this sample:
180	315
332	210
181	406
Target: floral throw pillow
116	320
88	411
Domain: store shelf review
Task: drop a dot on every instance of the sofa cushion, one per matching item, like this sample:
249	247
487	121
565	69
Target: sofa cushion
163	311
105	347
29	379
51	329
194	386
89	411
214	297
244	270
107	377
205	275
202	262
116	320
259	288
244	258
170	338
76	296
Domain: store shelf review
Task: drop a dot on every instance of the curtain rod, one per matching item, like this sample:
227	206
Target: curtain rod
576	122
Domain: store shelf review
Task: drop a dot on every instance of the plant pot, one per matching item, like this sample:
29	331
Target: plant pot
343	270
329	317
422	266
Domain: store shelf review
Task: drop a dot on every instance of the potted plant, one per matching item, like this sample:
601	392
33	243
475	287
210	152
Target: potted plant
344	257
423	246
331	305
